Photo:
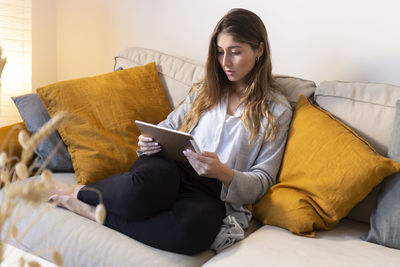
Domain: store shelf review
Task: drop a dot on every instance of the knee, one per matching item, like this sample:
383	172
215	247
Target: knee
197	234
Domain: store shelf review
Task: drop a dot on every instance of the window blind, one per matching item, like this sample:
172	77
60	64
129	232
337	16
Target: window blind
16	43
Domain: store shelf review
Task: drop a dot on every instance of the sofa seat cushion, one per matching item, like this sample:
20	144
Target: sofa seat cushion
83	242
274	246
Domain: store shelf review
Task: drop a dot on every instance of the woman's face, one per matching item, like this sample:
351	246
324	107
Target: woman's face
236	59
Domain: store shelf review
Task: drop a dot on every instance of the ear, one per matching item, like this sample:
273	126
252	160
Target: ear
260	49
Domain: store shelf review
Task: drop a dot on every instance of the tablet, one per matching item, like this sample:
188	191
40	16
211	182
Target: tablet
172	142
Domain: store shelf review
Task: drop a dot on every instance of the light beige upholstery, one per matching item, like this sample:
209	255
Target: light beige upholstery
177	74
340	247
368	108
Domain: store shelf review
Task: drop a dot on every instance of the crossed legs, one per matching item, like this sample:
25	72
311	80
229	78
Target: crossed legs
153	204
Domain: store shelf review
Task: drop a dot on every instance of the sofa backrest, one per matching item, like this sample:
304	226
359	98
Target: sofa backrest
177	74
368	108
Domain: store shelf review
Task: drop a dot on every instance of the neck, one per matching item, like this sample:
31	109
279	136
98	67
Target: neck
233	101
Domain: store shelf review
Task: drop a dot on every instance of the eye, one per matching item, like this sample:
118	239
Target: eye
236	53
219	52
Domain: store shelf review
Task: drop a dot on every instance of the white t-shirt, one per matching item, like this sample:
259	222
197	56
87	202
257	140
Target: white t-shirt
219	132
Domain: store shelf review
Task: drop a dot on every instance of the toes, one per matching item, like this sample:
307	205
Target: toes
53	198
60	200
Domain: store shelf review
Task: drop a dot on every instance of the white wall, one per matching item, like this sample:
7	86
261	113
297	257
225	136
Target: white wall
44	43
313	39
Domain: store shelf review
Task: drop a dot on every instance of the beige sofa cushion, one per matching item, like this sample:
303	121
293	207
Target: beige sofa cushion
274	246
368	108
177	74
293	87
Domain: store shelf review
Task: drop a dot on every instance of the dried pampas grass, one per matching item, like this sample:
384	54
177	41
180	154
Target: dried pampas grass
17	188
42	133
100	214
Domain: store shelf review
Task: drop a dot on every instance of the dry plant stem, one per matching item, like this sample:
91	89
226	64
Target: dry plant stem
7	208
1	251
55	255
32	192
42	133
51	155
94	190
57	258
34	264
32	166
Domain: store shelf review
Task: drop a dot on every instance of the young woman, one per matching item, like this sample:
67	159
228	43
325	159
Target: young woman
240	121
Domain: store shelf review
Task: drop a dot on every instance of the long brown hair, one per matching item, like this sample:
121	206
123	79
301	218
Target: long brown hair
245	27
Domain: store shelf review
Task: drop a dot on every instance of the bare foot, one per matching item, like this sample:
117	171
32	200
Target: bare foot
75	205
65	189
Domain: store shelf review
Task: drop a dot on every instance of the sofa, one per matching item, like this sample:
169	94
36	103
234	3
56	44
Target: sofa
367	109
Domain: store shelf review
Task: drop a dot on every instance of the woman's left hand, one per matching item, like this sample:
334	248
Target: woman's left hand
207	164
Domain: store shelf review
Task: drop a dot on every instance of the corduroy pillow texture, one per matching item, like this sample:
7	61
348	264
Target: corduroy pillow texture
326	170
101	135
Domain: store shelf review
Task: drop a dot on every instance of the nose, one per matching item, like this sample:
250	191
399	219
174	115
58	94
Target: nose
226	60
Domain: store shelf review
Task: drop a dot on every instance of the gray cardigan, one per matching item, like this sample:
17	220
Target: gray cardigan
257	164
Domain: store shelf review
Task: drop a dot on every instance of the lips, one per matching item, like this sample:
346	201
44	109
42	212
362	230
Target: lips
229	72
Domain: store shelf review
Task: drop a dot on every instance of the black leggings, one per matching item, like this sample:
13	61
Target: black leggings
162	203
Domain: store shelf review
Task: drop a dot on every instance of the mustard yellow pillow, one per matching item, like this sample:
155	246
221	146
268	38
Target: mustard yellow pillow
9	139
101	136
326	170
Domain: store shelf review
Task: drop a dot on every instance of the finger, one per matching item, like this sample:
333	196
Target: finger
145	138
148	153
198	157
197	165
148	144
192	154
150	148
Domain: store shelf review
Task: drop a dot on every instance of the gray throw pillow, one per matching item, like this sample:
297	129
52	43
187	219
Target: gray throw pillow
35	115
385	219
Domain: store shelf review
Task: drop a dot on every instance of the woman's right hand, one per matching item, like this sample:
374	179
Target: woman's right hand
148	146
